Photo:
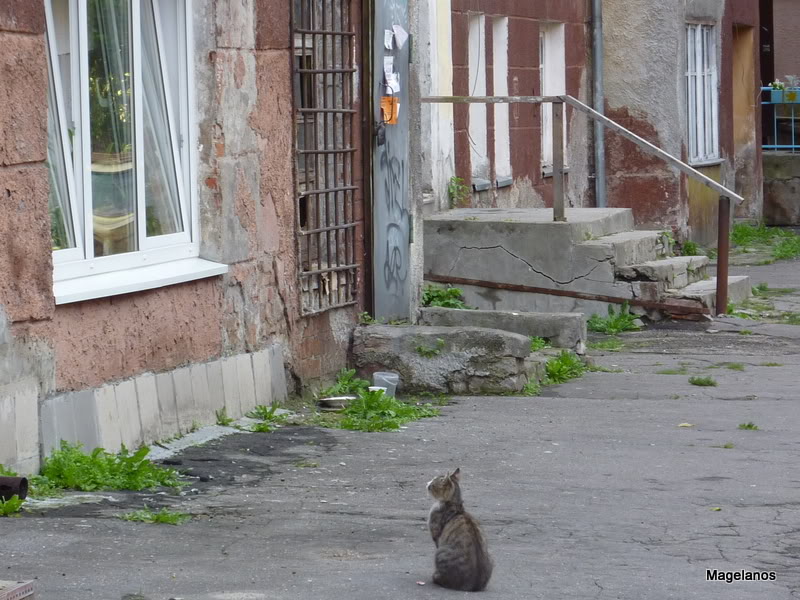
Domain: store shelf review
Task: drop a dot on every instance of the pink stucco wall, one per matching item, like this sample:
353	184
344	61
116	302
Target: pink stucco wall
786	17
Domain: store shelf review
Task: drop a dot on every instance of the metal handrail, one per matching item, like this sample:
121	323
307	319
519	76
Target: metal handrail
725	194
575	103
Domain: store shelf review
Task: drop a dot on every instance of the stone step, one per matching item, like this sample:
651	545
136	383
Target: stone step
629	247
453	360
705	292
563	330
675	272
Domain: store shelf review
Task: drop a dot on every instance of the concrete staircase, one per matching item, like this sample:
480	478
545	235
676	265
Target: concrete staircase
519	259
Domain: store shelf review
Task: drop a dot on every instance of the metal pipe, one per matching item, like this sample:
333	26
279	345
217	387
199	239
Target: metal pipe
723	249
13	486
558	163
676	305
598	66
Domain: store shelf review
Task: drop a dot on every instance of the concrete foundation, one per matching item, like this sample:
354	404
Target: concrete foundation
781	188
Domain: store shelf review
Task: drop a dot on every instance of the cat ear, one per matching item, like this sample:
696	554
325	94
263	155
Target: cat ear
456	475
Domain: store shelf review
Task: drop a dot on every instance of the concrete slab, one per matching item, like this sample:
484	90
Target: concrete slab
280	389
563	330
184	399
247	387
8	426
84	410
630	247
147	394
25	396
108	417
167	405
128	409
203	406
675	272
230	382
216	391
262	371
739	290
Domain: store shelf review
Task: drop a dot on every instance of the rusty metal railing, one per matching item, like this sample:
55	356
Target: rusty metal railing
559	214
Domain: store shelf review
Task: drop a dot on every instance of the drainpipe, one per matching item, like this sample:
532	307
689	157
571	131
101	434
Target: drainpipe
598	53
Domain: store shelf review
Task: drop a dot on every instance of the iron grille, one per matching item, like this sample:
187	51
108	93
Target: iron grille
324	50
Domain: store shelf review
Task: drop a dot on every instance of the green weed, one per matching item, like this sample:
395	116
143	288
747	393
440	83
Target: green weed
734	366
611	345
690	248
11	506
770	364
364	318
787	248
430	351
458	192
745	332
564	367
602	369
443	297
785	244
703	381
748	426
679	371
69	468
222	417
616	322
538	343
163	516
532	388
376	411
347	384
306	464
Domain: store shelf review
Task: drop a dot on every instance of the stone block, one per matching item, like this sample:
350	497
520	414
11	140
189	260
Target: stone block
280	391
26	414
184	400
147	394
108	417
203	407
444	359
128	410
84	411
262	371
230	384
22	16
563	330
167	405
23	99
247	388
216	391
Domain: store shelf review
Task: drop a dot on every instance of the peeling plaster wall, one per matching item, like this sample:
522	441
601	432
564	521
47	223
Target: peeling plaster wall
645	85
530	187
245	186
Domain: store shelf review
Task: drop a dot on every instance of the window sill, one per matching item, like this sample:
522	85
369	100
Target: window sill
547	172
135	280
714	162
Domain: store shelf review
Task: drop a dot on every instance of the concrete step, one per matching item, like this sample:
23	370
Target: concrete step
705	292
675	272
563	330
629	247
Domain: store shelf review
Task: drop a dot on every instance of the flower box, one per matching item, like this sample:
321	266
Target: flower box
787	96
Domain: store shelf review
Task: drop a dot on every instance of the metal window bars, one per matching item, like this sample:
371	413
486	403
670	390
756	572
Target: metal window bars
325	152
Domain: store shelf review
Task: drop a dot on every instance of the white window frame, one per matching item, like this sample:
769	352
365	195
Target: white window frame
80	262
502	130
702	93
478	114
553	73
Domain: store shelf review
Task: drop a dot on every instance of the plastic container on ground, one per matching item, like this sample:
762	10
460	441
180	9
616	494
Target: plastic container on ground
386	379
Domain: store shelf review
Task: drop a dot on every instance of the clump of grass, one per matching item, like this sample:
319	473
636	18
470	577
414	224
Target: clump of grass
443	297
728	446
306	464
703	381
734	366
69	468
616	322
678	371
347	384
564	367
770	364
785	243
11	506
163	516
611	345
364	318
750	426
690	248
376	411
222	417
762	290
430	351
745	332
787	248
538	343
532	388
602	369
268	418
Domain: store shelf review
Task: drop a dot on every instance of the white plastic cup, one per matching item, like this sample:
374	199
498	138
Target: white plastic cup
388	380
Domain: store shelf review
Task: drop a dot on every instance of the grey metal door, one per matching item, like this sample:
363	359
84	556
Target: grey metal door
390	201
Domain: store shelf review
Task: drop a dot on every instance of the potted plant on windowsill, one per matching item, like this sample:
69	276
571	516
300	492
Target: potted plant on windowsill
785	93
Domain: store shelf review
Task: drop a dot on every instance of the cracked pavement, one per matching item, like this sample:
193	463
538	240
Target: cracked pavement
590	491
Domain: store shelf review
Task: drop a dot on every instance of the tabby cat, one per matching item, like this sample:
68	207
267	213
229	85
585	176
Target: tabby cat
462	560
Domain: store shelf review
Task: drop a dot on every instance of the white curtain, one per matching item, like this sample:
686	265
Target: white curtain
62	232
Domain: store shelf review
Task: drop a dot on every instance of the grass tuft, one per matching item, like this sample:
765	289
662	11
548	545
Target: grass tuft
347	384
443	297
10	507
163	516
376	411
703	381
222	417
567	365
615	322
611	345
750	426
539	343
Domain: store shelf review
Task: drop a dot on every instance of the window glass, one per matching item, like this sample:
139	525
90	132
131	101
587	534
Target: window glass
61	228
